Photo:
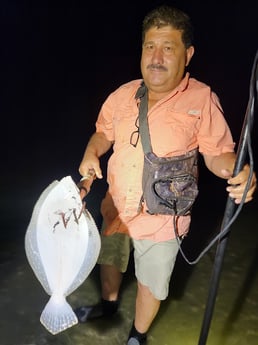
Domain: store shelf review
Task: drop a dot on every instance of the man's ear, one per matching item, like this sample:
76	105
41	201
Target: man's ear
189	55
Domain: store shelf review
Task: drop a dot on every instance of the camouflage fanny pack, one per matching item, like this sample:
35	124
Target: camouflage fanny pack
170	185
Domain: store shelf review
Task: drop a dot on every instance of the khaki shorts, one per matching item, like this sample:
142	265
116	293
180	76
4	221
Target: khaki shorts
154	261
115	251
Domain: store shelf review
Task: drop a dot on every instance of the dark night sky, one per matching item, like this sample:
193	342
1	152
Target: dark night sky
61	59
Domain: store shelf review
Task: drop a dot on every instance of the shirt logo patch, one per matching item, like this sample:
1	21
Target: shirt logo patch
194	112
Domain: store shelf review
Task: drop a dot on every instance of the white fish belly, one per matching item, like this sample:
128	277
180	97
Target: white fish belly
62	244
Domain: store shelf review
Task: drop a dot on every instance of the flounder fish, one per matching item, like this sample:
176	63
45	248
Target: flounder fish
62	244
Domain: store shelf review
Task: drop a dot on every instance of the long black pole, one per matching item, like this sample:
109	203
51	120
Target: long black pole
244	143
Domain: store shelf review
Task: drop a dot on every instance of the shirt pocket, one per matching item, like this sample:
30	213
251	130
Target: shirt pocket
175	134
125	122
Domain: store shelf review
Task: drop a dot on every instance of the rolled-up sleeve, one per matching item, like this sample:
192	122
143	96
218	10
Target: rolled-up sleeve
104	123
214	135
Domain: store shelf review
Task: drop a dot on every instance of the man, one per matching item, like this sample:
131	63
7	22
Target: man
183	115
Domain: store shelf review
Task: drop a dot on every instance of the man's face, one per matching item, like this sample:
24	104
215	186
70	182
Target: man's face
164	58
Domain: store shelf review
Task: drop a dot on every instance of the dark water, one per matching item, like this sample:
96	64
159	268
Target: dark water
235	317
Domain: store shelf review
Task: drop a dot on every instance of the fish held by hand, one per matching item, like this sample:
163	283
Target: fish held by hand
62	244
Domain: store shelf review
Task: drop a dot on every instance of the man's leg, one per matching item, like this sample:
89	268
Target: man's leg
154	264
113	261
147	307
111	279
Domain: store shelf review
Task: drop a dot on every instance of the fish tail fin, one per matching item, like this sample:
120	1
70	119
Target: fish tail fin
58	315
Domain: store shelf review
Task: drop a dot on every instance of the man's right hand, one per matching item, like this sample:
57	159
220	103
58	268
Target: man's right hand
85	183
90	166
97	146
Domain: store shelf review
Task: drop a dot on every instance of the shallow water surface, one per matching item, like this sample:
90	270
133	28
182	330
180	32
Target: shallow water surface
234	320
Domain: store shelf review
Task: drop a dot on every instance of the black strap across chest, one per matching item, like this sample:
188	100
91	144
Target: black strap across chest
142	94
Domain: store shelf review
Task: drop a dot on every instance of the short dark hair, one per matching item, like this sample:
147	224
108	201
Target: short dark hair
168	15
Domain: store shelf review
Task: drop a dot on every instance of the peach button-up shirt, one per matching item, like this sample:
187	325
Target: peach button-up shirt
189	117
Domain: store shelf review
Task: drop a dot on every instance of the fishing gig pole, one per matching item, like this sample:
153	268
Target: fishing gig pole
244	148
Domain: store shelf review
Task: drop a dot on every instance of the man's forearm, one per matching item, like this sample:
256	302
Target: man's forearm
98	145
217	163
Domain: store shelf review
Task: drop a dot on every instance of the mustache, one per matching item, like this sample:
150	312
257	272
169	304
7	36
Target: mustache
157	66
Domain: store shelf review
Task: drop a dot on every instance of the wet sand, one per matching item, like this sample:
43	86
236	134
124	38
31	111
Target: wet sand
235	317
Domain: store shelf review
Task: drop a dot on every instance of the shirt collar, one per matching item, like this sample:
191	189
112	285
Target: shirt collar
184	82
